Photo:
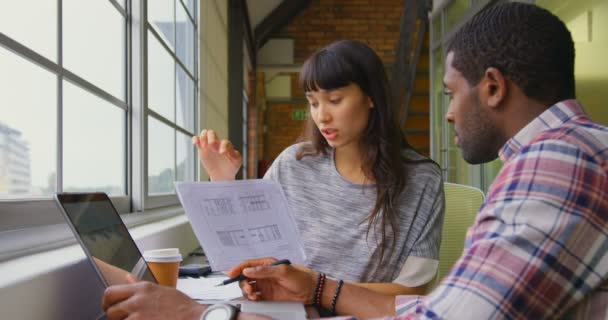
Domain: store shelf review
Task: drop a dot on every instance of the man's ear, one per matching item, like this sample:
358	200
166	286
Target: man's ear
493	87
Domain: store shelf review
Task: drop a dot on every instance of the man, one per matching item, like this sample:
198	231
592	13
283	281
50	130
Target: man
539	246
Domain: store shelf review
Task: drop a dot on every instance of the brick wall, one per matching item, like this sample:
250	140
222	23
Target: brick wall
252	125
281	129
374	22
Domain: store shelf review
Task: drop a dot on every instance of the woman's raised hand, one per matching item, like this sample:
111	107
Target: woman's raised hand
219	158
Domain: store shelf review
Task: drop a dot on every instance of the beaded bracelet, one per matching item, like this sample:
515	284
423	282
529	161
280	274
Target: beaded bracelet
314	292
334	301
319	290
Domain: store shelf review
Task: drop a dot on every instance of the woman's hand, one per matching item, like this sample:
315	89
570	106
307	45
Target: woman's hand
281	282
219	158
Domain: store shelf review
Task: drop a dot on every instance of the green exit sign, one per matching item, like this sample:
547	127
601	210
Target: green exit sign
299	114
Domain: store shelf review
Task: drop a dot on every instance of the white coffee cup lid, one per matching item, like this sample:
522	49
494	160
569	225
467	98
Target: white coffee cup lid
163	255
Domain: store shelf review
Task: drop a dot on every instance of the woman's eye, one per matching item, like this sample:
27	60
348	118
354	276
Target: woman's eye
335	101
314	105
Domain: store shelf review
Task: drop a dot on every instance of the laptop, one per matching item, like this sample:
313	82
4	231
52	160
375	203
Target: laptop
113	253
103	237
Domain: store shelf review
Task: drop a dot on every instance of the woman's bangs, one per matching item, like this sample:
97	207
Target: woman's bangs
325	71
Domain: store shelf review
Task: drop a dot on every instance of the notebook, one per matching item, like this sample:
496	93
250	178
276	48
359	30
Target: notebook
104	237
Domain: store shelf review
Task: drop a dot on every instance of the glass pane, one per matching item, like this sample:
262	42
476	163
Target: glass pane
490	171
456	171
161	17
185	158
438	113
185	100
190	6
161	76
454	11
31	23
588	23
161	157
94	44
436	25
28	129
94	143
185	38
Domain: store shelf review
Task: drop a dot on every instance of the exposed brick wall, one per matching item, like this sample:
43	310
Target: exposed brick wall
374	22
252	126
282	130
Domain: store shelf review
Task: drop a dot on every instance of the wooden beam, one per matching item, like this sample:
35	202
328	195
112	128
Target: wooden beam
277	19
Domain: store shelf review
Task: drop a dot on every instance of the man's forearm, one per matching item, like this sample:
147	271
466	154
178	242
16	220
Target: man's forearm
393	289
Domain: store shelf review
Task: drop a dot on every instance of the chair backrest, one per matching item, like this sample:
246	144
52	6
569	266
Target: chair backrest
461	206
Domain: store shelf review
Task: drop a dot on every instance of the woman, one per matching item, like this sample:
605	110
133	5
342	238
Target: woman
368	207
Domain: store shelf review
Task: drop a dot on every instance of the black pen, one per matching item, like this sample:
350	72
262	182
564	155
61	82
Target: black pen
242	277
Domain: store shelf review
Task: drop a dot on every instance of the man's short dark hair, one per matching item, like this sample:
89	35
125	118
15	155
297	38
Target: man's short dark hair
528	44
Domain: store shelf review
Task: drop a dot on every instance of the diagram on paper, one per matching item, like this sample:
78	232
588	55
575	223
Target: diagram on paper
252	203
238	237
265	234
233	238
218	207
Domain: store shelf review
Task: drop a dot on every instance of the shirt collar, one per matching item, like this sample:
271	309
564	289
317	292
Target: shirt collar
553	117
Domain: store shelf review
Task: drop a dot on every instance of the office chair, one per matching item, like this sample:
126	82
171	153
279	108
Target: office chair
461	206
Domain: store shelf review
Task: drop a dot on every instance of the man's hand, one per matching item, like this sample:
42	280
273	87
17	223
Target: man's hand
145	300
219	158
282	282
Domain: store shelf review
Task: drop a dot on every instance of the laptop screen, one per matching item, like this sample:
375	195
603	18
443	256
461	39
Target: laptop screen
104	237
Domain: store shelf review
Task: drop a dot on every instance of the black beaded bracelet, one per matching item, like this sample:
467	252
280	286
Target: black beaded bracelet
334	301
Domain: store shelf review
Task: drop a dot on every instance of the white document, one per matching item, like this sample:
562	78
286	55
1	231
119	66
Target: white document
238	220
205	289
276	309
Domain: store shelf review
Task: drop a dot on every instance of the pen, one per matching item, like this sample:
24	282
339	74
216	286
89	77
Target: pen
242	277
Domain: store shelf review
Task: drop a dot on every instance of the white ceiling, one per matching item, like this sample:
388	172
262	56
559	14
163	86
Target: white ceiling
259	9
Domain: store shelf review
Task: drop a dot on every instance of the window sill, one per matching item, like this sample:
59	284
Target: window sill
22	242
54	247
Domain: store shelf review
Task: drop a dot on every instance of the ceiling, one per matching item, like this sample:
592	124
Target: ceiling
260	9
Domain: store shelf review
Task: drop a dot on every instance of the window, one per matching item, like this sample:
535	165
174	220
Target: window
446	19
91	100
171	95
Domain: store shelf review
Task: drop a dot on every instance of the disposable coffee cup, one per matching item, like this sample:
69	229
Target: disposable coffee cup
164	264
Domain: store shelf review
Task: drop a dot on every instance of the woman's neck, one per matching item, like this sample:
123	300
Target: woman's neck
349	163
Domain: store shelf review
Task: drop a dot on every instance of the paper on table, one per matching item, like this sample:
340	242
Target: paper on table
205	289
238	220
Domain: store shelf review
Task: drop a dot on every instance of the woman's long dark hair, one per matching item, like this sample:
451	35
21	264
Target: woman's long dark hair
340	64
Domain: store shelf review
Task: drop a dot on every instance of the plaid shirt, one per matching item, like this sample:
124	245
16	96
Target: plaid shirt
539	246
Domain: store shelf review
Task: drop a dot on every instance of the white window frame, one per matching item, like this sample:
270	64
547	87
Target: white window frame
33	225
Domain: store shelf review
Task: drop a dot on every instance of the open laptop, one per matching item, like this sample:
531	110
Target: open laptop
103	237
113	253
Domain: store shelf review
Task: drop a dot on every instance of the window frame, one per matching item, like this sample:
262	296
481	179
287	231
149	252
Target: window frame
154	201
40	216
